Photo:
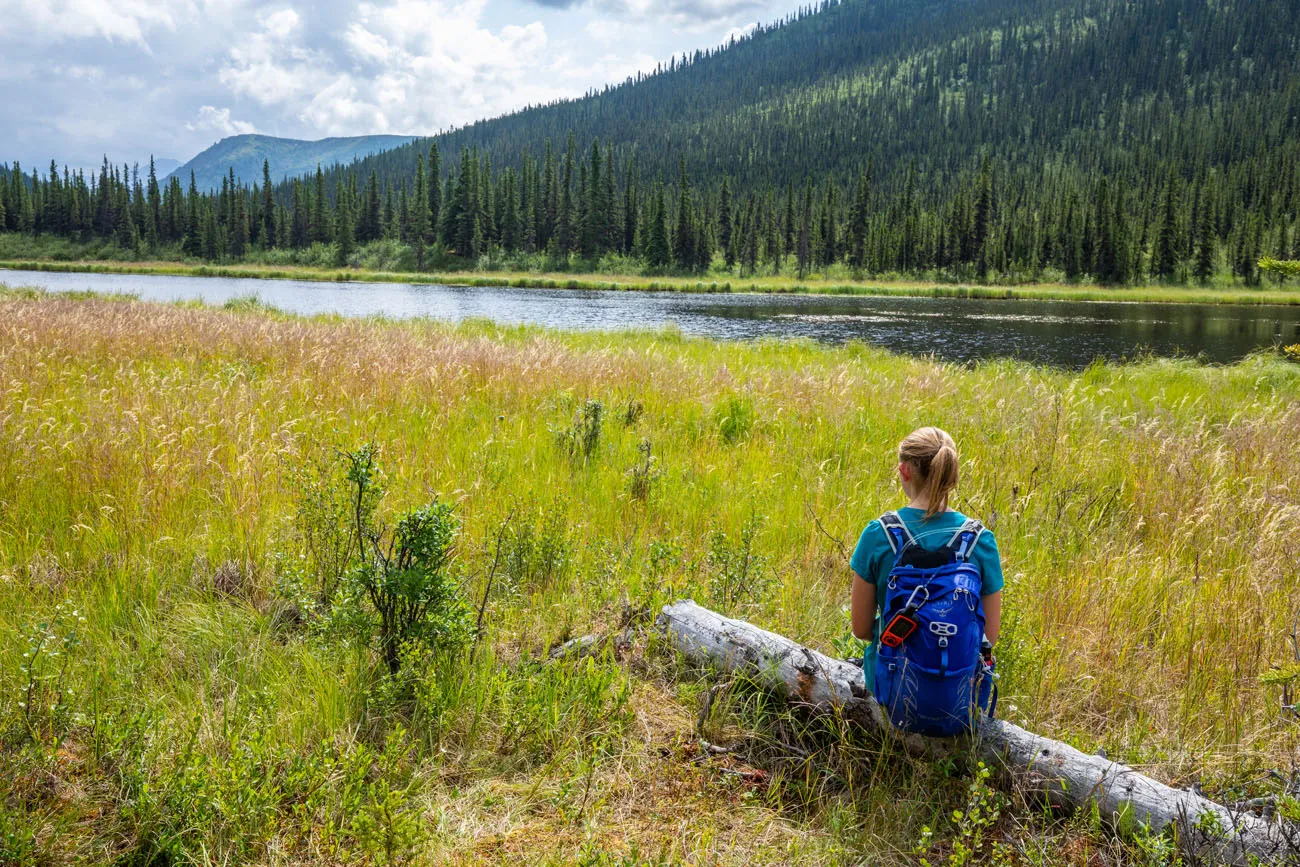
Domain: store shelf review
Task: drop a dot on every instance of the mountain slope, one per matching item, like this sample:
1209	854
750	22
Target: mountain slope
288	157
1098	85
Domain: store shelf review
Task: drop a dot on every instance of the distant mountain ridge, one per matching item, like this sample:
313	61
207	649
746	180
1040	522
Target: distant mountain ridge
288	157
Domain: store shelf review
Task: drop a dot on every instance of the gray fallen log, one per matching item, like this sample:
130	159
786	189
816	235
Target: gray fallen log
1068	778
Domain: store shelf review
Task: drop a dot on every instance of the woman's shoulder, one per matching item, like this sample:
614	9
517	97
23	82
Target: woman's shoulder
872	529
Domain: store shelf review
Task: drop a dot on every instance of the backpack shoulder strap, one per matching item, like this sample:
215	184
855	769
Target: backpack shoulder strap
896	532
962	543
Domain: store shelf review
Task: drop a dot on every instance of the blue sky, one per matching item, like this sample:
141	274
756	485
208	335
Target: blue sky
127	78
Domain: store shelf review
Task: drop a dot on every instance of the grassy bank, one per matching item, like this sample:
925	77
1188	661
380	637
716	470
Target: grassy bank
155	486
714	283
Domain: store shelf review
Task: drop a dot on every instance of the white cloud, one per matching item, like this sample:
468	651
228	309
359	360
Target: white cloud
211	118
116	20
281	23
407	66
694	16
739	32
607	30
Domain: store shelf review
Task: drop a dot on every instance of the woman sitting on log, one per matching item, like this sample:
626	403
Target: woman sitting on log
927	597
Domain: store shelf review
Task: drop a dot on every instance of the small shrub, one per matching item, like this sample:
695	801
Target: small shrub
1292	352
322	531
633	412
401	590
46	695
735	419
644	473
581	439
535	552
736	569
393	589
388	825
971	844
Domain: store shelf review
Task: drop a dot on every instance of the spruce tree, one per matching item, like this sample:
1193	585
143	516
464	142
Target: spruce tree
612	236
192	245
564	210
983	220
767	223
321	228
724	225
370	223
1164	259
857	230
268	229
389	217
658	252
435	190
418	230
210	240
1204	269
631	209
684	236
509	214
344	241
803	249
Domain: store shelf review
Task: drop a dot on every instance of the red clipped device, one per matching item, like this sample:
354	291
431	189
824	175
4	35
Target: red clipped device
899	629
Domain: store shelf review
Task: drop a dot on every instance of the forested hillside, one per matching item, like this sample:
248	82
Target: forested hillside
971	139
291	157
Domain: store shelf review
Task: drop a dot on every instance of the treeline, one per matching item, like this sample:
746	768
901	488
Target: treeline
582	205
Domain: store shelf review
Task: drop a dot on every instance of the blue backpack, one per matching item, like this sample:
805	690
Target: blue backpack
932	675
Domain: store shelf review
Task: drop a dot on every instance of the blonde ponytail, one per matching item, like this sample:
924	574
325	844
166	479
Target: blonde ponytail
933	455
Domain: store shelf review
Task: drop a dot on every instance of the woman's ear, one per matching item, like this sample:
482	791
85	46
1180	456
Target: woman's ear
905	472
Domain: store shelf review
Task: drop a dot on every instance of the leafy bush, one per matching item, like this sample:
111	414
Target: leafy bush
736	569
644	473
392	589
535	552
633	412
972	843
1292	352
581	438
400	590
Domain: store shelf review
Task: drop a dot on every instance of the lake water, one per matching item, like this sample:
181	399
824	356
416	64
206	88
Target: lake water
1064	333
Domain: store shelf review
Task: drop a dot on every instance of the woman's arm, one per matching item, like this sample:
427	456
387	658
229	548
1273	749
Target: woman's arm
992	616
863	608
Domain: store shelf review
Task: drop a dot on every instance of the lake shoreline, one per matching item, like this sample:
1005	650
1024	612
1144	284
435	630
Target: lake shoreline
732	286
1061	333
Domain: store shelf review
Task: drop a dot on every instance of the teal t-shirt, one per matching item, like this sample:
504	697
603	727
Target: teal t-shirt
873	558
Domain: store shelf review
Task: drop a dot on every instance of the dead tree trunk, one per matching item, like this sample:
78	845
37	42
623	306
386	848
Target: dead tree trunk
1068	778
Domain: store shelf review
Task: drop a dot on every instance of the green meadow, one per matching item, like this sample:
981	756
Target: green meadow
193	669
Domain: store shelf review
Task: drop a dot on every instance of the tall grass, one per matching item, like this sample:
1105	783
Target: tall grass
1147	515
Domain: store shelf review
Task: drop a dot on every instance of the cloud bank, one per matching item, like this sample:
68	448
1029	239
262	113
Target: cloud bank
134	77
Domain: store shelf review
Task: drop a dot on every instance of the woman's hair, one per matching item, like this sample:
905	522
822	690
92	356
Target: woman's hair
934	455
